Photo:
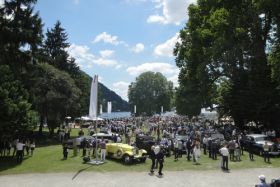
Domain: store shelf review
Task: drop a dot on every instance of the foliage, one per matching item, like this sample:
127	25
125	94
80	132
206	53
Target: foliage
55	94
226	44
15	110
149	92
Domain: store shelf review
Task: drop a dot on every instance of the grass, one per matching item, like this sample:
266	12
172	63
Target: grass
49	159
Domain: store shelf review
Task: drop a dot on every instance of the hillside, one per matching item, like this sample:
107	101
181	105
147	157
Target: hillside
105	95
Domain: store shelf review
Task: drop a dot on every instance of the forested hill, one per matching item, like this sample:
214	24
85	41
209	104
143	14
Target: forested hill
105	95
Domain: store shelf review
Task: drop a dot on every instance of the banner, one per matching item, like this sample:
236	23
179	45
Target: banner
109	107
93	98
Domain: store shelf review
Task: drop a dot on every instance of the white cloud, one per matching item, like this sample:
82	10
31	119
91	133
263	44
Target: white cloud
138	48
121	88
173	12
107	38
106	53
174	79
164	68
166	48
85	58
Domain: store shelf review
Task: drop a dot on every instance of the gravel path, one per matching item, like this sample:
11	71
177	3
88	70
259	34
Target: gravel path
190	178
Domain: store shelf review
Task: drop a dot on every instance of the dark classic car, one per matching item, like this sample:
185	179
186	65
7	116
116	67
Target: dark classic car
255	142
145	142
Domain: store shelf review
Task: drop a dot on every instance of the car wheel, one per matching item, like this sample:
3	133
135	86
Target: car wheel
127	159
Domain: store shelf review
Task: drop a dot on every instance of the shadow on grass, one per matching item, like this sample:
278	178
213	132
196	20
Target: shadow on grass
80	171
9	162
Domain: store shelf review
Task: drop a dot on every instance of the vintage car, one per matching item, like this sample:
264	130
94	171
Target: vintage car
145	142
125	152
255	142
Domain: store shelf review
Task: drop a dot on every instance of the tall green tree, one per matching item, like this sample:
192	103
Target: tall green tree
20	34
228	43
149	92
16	114
55	94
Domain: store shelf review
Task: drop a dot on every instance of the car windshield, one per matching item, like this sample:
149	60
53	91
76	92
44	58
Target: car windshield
261	138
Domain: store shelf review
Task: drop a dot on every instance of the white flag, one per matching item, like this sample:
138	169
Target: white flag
101	111
161	109
109	107
134	109
93	98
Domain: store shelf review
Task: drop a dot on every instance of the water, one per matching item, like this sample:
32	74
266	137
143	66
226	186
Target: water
115	115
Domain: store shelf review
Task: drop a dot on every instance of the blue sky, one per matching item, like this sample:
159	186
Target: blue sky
119	39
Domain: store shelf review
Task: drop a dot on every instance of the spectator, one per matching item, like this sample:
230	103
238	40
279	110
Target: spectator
103	149
153	157
65	150
224	152
262	182
266	152
32	147
20	149
196	153
160	159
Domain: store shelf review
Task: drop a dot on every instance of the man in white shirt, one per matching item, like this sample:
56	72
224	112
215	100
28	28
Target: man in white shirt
19	154
224	152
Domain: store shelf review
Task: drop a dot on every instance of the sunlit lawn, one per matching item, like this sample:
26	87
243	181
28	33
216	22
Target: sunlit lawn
49	159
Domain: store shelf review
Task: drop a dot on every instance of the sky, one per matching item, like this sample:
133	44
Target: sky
119	39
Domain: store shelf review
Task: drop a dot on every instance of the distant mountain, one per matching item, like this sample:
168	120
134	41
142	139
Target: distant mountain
105	95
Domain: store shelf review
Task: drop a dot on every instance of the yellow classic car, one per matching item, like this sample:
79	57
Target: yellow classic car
125	152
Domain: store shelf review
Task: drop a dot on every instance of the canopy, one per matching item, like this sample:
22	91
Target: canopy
87	118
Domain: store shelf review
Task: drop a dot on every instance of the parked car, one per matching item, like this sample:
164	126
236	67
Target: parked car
256	142
125	152
103	135
145	142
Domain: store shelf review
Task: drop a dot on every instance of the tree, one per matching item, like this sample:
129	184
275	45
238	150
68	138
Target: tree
55	94
20	34
16	115
55	47
149	92
226	44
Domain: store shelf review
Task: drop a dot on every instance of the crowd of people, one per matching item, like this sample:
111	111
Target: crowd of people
17	148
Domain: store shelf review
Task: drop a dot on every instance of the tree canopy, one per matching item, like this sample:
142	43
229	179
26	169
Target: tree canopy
225	57
149	92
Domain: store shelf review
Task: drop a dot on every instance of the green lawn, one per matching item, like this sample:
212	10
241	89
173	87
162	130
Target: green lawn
49	159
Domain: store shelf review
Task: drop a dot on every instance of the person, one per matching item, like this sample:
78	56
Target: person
250	151
266	152
231	147
224	152
189	149
205	142
65	150
262	182
32	147
153	158
214	147
176	150
196	153
156	150
160	159
20	149
103	149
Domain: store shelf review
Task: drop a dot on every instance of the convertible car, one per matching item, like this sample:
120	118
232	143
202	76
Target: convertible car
125	152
